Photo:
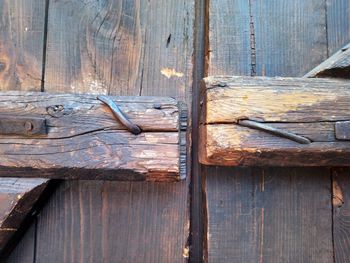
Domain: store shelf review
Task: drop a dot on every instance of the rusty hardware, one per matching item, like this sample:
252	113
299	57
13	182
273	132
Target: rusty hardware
342	130
130	126
281	133
22	125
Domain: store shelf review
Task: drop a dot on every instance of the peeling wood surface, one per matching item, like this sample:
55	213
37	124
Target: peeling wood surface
17	197
337	66
85	141
309	108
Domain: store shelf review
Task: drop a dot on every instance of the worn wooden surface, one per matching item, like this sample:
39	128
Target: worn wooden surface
284	38
21	45
132	48
338	36
306	108
84	140
336	66
16	200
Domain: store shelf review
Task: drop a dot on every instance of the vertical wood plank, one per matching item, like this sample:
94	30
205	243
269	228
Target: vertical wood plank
21	44
290	220
290	36
338	19
122	48
21	51
341	214
24	251
338	24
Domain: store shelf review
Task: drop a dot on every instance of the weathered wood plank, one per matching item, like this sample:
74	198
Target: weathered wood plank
143	66
120	47
341	214
268	225
21	44
84	139
305	108
338	24
21	53
337	66
16	199
25	250
231	192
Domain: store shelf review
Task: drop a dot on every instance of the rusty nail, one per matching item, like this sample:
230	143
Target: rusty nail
28	126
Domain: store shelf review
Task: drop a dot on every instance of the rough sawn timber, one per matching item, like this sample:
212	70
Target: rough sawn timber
337	66
17	197
85	141
309	108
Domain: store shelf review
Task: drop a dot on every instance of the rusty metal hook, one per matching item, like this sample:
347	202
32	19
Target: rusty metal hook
130	126
281	133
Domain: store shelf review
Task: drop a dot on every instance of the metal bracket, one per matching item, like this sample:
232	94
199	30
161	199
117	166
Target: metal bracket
130	126
22	125
342	130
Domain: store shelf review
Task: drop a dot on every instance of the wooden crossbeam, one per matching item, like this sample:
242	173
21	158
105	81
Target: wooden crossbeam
17	197
275	121
84	140
337	66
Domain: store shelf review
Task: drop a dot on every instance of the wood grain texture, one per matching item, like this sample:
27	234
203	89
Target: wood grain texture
85	141
92	220
260	215
17	198
25	250
288	236
341	214
21	44
338	24
336	66
21	52
308	108
303	22
135	45
141	30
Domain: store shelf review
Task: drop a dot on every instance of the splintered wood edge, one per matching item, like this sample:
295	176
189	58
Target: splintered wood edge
183	123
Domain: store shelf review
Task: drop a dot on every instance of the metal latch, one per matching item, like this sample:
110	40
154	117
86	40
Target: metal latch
22	125
342	130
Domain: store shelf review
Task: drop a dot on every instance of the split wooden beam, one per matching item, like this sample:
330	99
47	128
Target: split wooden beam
17	196
275	122
336	66
84	140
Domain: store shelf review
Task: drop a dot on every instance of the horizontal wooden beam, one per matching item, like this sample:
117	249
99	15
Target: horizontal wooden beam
84	140
275	121
337	66
17	196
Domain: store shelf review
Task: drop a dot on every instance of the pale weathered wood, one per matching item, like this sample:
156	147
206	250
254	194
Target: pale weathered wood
84	138
309	108
337	66
16	200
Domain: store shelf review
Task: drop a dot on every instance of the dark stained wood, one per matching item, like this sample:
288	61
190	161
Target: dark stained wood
21	44
16	200
275	39
21	48
25	250
84	140
303	121
337	66
95	219
166	43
